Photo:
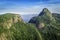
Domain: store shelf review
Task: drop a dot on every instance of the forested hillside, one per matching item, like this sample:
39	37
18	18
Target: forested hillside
12	27
48	24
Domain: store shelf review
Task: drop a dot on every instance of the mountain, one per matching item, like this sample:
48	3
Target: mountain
45	26
44	17
48	24
12	27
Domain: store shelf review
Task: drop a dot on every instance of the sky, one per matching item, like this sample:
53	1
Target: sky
28	6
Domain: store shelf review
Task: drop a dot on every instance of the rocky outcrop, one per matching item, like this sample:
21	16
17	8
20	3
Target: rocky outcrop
9	18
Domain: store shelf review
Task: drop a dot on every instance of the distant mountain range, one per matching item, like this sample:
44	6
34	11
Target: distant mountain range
27	17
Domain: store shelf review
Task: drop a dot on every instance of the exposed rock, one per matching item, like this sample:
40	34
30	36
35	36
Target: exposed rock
9	19
41	25
17	18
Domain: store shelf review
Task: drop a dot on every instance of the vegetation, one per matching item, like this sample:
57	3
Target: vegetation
45	26
10	30
51	24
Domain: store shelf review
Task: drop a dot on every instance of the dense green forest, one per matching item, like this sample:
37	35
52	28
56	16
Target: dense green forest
45	26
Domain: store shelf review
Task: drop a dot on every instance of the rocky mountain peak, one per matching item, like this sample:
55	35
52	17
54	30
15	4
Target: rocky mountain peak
45	11
45	17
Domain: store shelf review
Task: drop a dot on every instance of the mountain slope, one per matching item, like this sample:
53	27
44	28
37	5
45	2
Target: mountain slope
12	27
48	24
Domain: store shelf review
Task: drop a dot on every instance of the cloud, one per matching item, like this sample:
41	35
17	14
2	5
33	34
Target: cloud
35	9
29	7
